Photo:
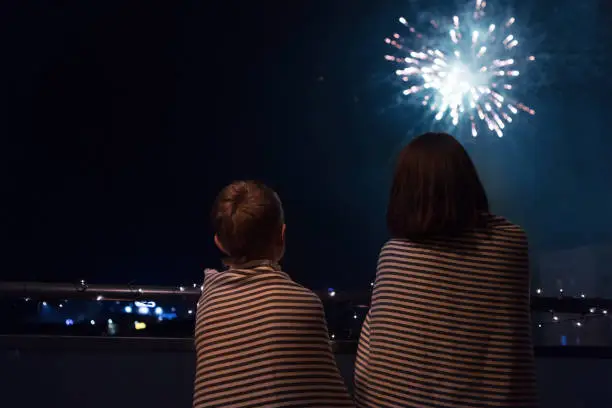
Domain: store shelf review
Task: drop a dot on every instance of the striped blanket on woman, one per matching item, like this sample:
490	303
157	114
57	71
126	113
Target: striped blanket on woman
261	341
449	325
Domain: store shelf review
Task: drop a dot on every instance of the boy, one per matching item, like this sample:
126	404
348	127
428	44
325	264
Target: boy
261	339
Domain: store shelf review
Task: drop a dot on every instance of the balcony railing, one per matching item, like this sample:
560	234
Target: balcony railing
192	292
80	344
563	325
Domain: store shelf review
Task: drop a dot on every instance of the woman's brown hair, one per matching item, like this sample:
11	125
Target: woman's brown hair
436	190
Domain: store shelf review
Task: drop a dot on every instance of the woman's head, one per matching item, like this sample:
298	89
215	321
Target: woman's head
248	221
436	190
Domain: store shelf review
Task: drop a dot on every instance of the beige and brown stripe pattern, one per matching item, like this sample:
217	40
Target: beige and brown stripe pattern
449	324
262	341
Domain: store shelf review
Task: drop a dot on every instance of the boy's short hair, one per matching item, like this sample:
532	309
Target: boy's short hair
247	218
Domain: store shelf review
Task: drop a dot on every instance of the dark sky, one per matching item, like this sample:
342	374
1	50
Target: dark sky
122	120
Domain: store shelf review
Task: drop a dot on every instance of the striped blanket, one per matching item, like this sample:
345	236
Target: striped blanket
261	341
449	324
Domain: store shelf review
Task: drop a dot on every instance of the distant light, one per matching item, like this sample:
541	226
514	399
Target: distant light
92	322
99	298
538	291
331	292
69	322
128	309
190	311
140	325
355	316
150	305
61	305
143	310
159	310
110	321
44	303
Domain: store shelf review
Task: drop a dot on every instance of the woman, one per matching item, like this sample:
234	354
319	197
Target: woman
449	324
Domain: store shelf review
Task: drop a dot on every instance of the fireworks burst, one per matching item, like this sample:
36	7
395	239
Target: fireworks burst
468	69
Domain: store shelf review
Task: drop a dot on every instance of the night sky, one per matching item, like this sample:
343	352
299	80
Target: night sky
122	120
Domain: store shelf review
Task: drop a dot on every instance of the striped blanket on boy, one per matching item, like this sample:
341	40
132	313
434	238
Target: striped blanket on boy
261	341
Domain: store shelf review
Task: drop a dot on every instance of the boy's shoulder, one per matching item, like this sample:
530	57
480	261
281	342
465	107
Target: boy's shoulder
301	289
276	281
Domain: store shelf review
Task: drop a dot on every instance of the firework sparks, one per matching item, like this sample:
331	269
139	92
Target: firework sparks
466	70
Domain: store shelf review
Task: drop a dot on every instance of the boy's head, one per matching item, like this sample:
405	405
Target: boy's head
248	222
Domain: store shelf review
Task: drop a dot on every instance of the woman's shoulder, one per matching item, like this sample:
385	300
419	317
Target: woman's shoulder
496	229
503	227
499	222
399	245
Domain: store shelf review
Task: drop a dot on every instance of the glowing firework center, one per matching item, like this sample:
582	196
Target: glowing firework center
463	72
454	87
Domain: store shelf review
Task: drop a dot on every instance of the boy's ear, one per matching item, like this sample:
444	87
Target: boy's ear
219	245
